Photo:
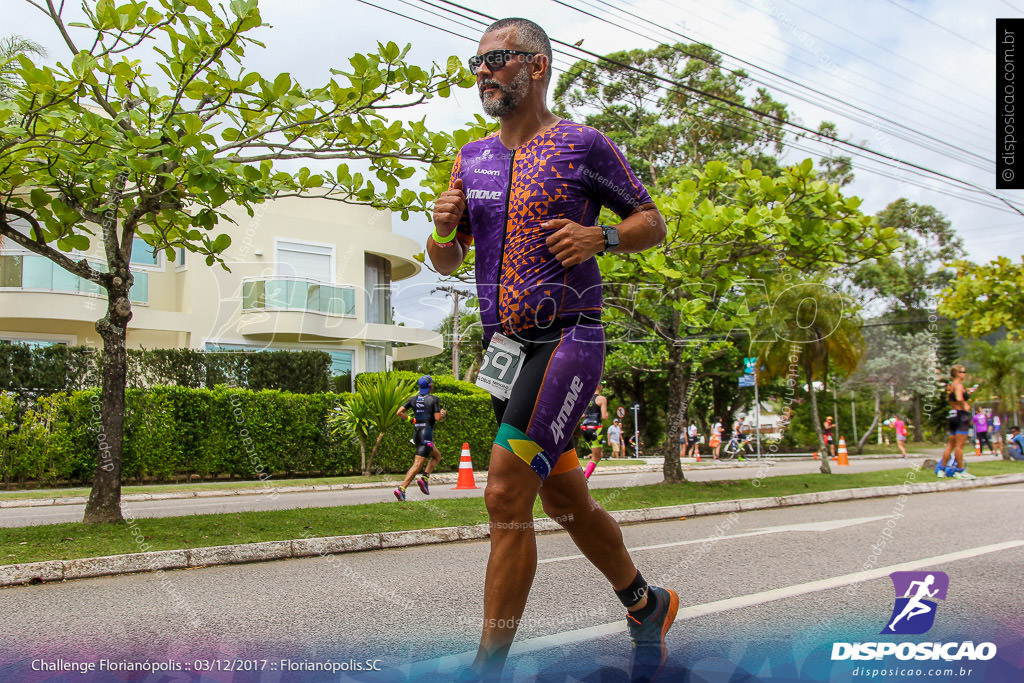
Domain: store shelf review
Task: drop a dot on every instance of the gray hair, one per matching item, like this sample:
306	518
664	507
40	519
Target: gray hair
529	35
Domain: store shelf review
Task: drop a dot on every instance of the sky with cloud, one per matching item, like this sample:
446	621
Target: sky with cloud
912	80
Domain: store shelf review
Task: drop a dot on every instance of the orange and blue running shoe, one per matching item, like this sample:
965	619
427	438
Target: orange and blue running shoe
648	636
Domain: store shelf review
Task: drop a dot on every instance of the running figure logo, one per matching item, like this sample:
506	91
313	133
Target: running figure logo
914	611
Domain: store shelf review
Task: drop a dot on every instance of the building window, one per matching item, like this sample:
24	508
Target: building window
143	254
375	358
181	257
309	261
378	290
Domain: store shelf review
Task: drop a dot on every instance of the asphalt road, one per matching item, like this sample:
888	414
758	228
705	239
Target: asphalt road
12	517
764	595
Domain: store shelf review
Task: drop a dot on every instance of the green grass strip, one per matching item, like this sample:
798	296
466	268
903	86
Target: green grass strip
75	540
228	485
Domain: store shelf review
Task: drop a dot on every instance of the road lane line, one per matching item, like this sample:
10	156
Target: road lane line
814	526
694	611
556	640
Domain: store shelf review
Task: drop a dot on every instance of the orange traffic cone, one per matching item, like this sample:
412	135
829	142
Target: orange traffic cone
842	457
698	456
466	480
815	455
977	447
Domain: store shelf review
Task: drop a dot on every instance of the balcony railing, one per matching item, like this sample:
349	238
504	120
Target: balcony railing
297	294
31	272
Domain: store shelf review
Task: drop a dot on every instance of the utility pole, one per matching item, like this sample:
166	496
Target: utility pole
456	337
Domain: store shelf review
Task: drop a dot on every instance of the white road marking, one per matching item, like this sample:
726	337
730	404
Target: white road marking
810	526
582	635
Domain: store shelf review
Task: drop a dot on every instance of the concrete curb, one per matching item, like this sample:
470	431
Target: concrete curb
446	478
112	565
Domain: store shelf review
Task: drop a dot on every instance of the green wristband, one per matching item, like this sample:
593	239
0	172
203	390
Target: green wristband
444	240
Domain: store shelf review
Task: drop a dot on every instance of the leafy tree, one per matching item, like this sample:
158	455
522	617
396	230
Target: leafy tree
726	229
11	47
907	281
897	362
809	326
1001	366
667	130
836	168
372	412
985	298
100	152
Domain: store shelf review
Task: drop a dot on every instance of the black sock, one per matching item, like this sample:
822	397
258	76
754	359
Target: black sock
648	609
634	592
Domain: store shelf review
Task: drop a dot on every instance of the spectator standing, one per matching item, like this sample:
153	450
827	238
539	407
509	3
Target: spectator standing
981	430
715	444
828	431
615	439
693	440
995	423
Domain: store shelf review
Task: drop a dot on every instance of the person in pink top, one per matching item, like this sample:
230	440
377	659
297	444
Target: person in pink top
901	433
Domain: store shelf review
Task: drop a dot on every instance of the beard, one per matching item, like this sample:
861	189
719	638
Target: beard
509	97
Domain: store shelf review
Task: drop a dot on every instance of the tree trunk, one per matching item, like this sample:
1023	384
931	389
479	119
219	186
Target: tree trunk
362	456
874	423
373	454
468	377
826	468
918	427
104	504
675	418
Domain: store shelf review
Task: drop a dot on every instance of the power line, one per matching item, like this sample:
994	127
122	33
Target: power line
754	112
935	114
937	25
923	67
789	144
989	164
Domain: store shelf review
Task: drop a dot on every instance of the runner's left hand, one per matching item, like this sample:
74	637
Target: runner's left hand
572	243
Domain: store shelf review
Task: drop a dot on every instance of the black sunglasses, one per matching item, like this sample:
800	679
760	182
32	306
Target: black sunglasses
495	59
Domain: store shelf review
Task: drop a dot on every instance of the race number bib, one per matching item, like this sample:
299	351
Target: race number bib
500	368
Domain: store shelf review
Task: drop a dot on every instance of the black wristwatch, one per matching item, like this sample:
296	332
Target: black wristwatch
611	238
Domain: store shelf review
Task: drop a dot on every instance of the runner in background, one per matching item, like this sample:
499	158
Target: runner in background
900	427
426	412
958	421
592	429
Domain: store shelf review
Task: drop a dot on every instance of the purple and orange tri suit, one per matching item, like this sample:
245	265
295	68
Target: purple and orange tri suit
567	171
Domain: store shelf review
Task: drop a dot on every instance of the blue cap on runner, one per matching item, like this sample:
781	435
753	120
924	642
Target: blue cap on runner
425	383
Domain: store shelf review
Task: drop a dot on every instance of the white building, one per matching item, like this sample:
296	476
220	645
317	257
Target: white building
307	274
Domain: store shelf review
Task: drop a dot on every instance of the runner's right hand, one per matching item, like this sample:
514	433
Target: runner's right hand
448	209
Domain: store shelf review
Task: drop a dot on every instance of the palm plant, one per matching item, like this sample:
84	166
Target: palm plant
808	327
11	47
371	412
1001	366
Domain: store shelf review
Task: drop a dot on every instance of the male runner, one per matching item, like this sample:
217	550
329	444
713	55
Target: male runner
427	412
528	198
592	429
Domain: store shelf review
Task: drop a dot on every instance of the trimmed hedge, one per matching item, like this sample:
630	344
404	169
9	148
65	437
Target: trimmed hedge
50	369
172	431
